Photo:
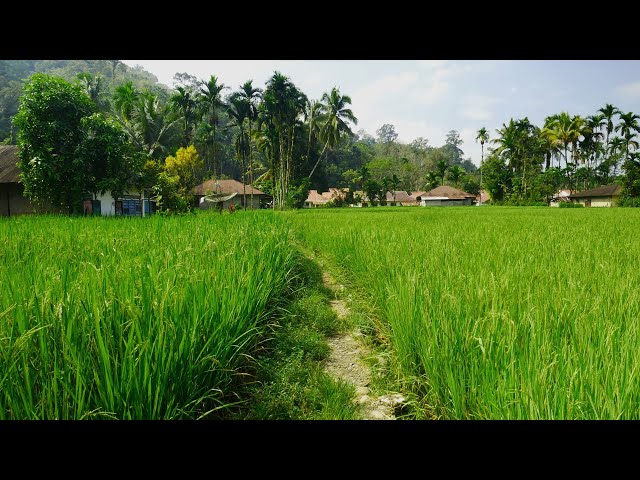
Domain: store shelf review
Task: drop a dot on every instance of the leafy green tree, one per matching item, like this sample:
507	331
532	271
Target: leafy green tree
49	120
108	160
456	174
93	86
497	177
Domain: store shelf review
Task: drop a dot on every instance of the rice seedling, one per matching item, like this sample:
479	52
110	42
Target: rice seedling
131	318
500	313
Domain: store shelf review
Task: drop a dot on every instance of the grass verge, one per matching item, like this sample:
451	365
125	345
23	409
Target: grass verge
288	381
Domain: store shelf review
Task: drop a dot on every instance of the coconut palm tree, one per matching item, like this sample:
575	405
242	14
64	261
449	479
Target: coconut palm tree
335	116
125	97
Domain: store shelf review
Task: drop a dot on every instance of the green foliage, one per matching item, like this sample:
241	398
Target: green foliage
175	182
109	160
50	126
291	383
299	193
570	205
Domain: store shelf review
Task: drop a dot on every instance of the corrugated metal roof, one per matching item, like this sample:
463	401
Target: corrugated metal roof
603	191
224	186
9	171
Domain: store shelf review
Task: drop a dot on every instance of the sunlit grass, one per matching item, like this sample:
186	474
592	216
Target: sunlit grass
500	313
132	318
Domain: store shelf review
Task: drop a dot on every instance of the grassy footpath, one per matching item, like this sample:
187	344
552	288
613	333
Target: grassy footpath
288	381
499	313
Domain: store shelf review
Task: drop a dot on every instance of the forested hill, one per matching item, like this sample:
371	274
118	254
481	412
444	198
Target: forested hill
13	72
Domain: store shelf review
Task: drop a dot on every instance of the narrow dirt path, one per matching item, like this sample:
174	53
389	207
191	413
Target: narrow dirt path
346	363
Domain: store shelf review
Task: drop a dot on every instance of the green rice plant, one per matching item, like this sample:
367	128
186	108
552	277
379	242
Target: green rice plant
133	318
500	313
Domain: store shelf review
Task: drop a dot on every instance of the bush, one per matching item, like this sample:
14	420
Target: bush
571	205
629	202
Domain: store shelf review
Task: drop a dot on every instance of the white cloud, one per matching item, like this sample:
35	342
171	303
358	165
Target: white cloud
629	90
478	107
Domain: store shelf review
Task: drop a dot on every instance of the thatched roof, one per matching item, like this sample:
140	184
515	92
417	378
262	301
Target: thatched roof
603	191
224	186
445	191
9	171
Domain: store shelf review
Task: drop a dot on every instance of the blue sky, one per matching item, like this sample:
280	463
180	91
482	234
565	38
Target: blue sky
427	98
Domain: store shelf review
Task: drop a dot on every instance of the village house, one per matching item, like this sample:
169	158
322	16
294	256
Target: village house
316	199
483	197
561	196
445	196
228	192
604	196
13	201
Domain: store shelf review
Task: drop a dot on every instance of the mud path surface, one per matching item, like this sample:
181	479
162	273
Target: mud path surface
346	362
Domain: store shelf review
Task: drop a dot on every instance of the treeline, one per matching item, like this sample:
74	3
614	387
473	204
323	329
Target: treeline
123	132
527	163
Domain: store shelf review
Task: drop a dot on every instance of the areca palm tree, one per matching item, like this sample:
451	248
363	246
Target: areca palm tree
184	103
239	110
608	111
507	142
211	101
628	128
336	116
251	96
482	136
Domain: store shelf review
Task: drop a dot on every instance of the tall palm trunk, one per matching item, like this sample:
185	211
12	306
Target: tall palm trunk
319	157
251	163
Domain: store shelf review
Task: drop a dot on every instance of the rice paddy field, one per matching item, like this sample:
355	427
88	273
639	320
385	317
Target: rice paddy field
500	312
490	313
130	318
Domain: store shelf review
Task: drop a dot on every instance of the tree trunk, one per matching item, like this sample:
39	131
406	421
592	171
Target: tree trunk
319	157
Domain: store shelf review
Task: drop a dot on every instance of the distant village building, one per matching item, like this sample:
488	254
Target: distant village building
605	196
483	197
232	191
561	196
12	199
402	199
445	196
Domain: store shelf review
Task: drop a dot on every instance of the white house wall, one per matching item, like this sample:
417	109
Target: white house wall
108	203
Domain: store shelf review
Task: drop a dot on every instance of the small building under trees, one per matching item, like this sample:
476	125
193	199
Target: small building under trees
13	201
244	195
604	196
445	196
